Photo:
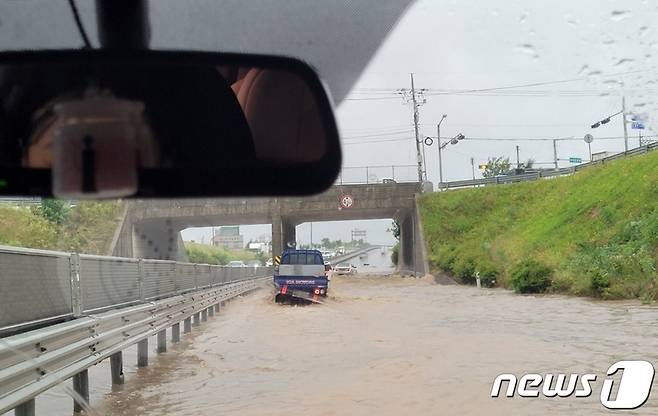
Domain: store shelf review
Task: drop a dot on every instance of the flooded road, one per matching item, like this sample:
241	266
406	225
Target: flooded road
386	345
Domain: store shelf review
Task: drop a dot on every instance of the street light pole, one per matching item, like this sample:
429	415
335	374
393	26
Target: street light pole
623	114
473	167
438	142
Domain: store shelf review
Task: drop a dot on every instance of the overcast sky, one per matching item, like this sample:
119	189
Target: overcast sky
584	55
601	49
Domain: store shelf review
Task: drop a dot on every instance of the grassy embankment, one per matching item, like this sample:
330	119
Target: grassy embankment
87	228
595	232
205	253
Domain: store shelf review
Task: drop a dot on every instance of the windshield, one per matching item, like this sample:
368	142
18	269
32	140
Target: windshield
495	223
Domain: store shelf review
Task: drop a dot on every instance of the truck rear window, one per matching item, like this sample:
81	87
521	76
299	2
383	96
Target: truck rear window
302	258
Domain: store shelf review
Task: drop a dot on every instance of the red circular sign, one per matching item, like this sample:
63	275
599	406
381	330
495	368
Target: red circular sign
346	201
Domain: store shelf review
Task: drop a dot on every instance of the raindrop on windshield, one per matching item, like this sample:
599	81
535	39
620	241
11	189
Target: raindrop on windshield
618	15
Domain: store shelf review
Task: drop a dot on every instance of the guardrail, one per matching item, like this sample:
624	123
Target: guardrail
545	173
117	302
355	175
339	259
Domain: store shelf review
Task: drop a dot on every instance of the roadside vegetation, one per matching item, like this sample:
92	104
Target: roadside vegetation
208	254
594	233
86	227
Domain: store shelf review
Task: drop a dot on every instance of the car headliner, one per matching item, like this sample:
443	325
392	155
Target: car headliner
337	37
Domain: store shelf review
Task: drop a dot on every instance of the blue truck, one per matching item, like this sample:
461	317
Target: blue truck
300	275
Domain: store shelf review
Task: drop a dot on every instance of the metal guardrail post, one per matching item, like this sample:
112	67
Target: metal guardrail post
175	333
26	409
116	368
81	386
140	279
76	290
162	341
187	325
143	353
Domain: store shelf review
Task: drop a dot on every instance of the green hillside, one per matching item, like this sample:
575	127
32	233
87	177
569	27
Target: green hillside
597	230
207	254
87	227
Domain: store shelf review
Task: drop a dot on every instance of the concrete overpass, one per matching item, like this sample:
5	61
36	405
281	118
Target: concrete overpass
151	228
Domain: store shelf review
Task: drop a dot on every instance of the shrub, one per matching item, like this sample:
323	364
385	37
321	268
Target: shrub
530	276
464	270
444	258
395	254
488	273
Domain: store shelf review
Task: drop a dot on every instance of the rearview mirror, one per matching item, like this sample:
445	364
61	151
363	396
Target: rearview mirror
101	123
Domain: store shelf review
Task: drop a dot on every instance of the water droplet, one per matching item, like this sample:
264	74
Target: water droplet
583	69
594	73
609	42
523	18
624	61
619	15
643	31
527	48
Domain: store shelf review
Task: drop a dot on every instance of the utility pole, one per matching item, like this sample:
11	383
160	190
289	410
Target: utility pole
623	117
518	163
417	98
415	109
555	152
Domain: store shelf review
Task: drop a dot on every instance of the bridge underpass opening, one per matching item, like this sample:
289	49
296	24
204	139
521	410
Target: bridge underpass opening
151	228
240	242
330	235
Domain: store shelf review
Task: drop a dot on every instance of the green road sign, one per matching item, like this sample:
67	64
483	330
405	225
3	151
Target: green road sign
575	160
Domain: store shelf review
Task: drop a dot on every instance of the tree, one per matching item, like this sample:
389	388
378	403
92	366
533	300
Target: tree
396	229
496	166
54	210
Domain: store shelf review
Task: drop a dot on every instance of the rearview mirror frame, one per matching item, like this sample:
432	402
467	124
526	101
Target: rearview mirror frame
267	179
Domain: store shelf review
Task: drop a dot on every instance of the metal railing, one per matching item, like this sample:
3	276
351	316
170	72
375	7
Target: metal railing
41	286
545	173
354	175
117	302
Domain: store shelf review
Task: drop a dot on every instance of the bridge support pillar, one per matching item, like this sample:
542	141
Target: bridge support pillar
187	325
81	386
197	319
411	258
116	368
283	232
211	311
204	315
162	341
277	237
288	232
143	353
175	333
405	255
26	409
217	307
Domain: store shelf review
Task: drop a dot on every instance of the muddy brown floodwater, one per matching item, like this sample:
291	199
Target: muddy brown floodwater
380	345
